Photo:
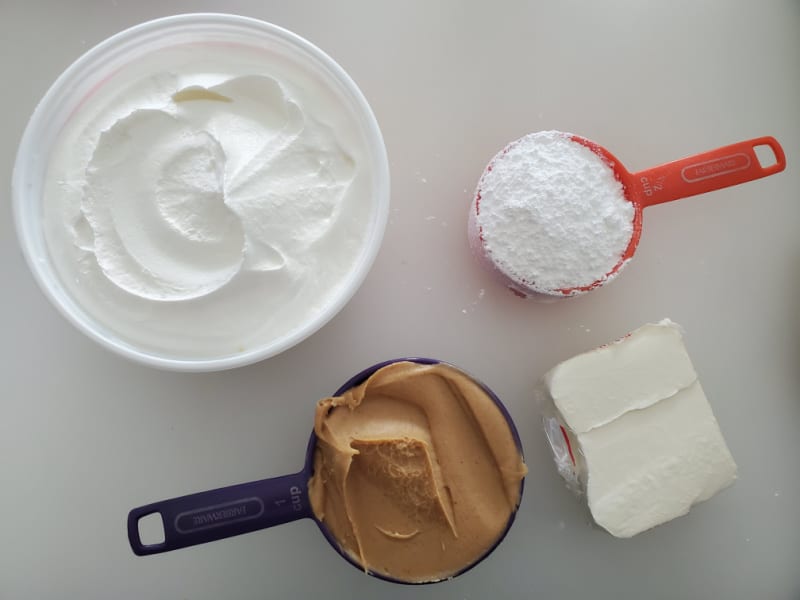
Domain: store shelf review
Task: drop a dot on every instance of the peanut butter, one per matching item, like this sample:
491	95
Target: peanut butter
416	471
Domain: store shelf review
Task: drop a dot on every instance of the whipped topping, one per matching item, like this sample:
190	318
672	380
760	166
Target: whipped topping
631	427
198	204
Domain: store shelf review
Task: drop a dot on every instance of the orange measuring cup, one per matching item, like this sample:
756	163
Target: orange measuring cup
720	168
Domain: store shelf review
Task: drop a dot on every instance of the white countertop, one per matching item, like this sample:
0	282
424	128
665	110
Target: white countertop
85	435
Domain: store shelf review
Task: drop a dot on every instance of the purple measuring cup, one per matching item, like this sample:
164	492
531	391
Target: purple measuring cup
230	511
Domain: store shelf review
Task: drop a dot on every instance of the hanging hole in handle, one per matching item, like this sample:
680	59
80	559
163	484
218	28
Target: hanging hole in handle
765	155
151	529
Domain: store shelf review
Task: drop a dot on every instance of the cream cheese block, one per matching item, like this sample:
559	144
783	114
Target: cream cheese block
631	428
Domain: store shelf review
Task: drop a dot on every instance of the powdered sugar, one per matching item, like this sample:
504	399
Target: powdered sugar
551	214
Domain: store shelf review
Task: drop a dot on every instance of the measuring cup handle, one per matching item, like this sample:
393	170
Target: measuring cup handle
713	170
224	512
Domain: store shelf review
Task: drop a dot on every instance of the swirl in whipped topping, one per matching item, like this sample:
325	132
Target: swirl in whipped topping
180	199
205	200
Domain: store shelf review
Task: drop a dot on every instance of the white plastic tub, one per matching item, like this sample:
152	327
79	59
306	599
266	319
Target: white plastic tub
98	67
